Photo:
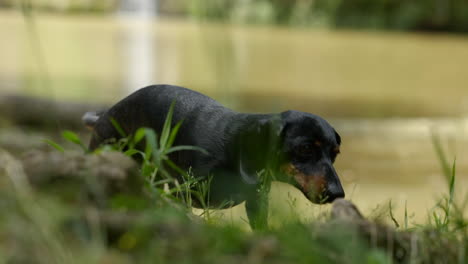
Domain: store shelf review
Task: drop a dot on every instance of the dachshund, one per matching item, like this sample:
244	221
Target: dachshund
298	148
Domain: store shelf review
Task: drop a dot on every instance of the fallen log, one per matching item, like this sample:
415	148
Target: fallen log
44	113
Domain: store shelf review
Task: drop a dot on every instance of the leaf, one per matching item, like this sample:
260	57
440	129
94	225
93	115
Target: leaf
72	137
54	145
167	126
441	155
452	182
151	143
175	167
139	135
132	152
118	127
397	225
173	134
406	214
162	182
179	148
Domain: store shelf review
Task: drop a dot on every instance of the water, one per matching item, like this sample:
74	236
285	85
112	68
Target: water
137	43
384	92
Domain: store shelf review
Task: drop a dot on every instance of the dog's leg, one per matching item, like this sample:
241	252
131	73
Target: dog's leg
256	207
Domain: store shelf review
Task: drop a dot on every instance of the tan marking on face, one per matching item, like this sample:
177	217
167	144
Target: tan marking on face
289	169
318	143
336	150
309	183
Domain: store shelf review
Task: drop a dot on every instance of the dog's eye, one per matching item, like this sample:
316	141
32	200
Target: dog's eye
305	149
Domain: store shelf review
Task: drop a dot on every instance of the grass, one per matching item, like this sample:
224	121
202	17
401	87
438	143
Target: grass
157	226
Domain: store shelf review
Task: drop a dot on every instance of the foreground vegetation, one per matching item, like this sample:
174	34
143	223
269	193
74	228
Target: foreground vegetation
64	206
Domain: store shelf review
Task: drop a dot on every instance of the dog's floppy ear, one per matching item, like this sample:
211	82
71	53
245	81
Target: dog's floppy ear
258	146
338	138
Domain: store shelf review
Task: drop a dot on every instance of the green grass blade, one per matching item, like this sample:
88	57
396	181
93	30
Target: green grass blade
451	194
132	152
179	148
167	126
452	182
54	145
139	135
175	167
397	225
441	155
406	214
173	134
118	127
151	143
73	138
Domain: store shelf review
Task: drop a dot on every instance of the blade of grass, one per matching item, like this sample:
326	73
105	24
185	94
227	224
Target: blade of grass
451	193
175	167
132	152
139	135
54	145
452	182
151	143
406	214
167	126
173	134
179	148
441	155
397	225
73	137
118	127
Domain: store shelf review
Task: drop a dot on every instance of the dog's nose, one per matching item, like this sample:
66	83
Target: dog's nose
334	191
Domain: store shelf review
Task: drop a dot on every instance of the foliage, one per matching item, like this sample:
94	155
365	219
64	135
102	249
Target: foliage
408	15
157	226
434	15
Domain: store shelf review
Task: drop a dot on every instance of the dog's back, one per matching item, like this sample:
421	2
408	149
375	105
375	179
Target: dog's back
203	119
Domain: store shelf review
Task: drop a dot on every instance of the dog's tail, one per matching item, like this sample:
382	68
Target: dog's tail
90	118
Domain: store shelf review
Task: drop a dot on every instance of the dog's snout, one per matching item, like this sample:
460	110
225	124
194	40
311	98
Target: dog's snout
334	191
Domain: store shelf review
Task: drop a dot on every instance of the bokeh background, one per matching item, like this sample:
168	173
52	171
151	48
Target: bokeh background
387	74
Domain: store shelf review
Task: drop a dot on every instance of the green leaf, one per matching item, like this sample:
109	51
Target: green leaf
72	137
452	182
118	127
139	135
406	214
132	152
54	145
173	134
163	181
179	148
151	143
167	126
397	225
441	155
175	167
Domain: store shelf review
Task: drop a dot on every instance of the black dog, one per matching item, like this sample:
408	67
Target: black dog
298	147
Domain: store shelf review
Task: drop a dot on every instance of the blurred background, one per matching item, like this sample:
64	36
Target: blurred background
387	74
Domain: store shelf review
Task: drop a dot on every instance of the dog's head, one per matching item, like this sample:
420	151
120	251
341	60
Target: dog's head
309	146
299	147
